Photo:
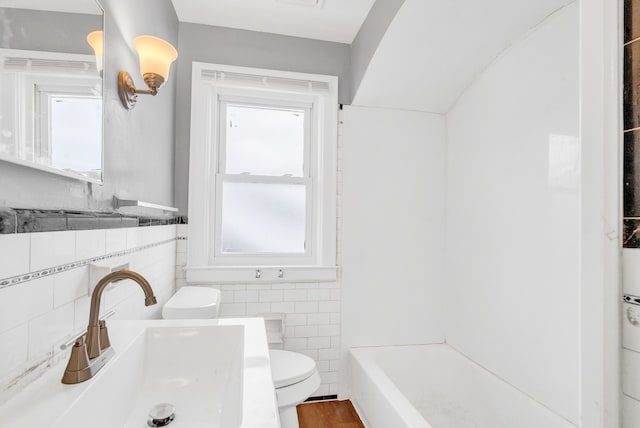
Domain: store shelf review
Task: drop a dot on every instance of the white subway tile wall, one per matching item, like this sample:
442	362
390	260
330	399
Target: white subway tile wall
16	261
312	310
37	316
52	249
309	331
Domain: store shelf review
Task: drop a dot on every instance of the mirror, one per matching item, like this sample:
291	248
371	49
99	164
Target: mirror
51	86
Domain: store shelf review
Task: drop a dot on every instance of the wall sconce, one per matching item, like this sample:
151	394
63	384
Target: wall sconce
94	39
156	56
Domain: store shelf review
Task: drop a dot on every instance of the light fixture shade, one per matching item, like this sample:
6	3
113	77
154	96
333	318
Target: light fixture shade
94	39
155	54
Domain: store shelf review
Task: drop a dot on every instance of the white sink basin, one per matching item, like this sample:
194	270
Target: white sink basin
197	369
215	372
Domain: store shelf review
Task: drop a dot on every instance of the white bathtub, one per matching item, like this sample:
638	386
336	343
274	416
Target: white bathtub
434	386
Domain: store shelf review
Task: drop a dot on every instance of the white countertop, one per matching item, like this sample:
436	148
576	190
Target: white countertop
43	402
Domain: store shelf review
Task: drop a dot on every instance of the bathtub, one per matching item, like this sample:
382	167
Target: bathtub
434	386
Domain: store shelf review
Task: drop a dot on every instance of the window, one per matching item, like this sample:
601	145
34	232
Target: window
262	175
69	135
264	181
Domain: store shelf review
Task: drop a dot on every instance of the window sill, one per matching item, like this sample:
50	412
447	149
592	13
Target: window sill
260	274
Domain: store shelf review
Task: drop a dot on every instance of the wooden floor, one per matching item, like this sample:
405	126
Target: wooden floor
328	414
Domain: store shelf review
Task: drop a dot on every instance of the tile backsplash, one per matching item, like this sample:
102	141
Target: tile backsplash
44	290
312	320
311	311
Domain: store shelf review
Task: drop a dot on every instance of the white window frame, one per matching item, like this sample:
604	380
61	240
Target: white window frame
206	263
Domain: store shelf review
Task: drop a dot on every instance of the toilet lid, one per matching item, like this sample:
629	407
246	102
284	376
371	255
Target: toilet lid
288	367
194	297
192	302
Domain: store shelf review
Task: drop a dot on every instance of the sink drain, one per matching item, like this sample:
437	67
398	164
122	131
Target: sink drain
161	415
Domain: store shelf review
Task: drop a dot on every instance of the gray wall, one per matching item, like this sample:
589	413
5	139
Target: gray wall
138	144
368	38
250	49
47	31
139	157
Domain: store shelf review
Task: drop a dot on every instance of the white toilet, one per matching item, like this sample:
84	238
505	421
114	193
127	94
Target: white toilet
295	376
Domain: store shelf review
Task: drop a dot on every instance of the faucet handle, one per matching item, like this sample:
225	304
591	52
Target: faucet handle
104	336
78	366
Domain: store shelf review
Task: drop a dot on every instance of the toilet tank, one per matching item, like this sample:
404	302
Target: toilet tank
192	302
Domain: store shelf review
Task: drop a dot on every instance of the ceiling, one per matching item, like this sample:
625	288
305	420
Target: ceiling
434	49
333	20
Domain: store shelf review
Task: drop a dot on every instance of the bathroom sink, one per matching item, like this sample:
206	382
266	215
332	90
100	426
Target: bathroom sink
214	372
196	369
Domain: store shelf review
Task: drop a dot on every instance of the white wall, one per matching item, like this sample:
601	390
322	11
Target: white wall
513	213
434	49
631	339
393	227
38	315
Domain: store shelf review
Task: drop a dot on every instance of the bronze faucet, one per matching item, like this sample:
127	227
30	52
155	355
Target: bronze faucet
90	355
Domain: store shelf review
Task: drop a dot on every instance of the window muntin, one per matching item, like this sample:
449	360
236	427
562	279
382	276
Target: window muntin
264	196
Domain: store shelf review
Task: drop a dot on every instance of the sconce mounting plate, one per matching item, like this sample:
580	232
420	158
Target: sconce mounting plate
127	90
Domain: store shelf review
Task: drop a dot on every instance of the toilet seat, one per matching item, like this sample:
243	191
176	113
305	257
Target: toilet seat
294	376
289	368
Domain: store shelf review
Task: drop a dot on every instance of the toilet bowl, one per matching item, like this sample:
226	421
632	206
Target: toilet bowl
295	376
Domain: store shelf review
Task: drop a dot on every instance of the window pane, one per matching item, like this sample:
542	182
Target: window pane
264	141
76	134
263	218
